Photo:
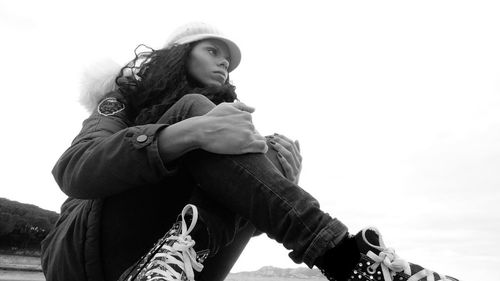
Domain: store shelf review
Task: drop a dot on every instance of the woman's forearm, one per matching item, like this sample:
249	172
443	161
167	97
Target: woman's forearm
179	138
226	129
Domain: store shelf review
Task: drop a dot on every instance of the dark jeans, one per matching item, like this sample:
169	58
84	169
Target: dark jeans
238	194
252	187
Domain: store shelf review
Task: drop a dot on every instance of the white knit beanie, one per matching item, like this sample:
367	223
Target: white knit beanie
196	31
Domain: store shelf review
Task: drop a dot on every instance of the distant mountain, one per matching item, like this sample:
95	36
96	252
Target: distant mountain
23	226
275	273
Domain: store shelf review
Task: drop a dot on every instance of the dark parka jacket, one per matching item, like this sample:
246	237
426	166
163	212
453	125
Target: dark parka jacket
107	156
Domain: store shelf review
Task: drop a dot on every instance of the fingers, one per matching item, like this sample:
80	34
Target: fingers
287	168
243	107
284	152
286	142
287	156
288	145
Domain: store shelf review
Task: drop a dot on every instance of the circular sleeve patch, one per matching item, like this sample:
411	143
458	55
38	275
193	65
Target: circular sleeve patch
110	106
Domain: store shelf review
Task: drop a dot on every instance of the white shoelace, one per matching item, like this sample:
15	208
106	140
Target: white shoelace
391	263
181	253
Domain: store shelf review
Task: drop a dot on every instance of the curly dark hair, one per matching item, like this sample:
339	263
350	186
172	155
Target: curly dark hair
155	79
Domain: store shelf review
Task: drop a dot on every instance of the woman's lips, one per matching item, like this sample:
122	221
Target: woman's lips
221	76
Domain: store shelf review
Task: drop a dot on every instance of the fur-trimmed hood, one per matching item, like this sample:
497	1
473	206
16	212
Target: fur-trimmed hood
97	80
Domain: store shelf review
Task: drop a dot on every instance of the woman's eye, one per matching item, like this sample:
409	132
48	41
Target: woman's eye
212	51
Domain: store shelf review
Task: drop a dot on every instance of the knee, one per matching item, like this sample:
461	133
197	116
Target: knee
188	106
196	104
194	99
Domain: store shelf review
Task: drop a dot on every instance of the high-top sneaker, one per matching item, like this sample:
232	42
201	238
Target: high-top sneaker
379	263
173	256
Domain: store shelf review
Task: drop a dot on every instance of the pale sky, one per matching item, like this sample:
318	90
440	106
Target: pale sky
396	105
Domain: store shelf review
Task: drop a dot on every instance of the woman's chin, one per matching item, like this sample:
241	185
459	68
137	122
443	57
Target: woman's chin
214	84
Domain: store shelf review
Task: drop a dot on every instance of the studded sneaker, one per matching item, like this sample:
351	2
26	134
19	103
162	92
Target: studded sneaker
379	263
173	256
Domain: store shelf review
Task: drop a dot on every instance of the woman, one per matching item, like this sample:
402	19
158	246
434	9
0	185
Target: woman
169	135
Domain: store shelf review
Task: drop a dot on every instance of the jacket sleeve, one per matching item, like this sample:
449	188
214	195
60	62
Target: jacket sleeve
108	156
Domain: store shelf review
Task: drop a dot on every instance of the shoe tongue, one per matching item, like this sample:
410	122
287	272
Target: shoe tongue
369	242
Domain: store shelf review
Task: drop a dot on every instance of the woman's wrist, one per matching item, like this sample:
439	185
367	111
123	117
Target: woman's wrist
180	138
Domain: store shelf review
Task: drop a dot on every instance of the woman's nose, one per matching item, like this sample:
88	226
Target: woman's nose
224	63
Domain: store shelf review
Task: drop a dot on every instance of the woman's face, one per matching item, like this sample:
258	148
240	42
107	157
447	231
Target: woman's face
208	62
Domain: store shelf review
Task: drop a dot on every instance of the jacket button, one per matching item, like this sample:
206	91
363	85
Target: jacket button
142	138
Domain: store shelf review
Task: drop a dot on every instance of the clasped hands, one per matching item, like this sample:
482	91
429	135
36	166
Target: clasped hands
229	130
